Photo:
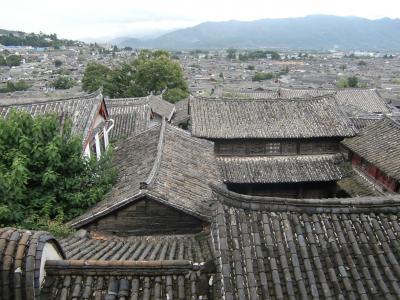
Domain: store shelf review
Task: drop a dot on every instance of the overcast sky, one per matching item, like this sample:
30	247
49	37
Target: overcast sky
83	19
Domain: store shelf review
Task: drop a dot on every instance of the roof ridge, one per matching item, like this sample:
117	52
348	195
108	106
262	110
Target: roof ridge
157	161
305	99
185	134
82	97
387	203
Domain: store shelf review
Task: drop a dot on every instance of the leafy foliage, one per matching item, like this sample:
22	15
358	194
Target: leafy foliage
12	87
43	175
151	72
63	82
58	63
34	40
260	76
348	82
96	76
10	60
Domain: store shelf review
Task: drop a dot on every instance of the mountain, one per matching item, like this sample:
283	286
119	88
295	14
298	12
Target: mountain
312	32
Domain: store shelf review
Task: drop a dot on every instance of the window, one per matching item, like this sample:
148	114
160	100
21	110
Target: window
272	148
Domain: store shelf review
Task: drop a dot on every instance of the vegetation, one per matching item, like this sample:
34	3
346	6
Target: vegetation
10	60
34	40
231	53
259	54
348	82
63	82
152	72
250	67
44	180
12	87
260	76
362	63
58	63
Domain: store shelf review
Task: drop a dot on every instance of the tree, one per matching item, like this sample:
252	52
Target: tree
151	72
95	76
10	87
158	73
63	82
348	82
3	61
231	53
362	63
260	76
352	81
13	60
43	175
58	63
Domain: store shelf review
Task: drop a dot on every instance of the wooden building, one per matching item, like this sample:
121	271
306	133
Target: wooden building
88	113
275	147
375	153
163	175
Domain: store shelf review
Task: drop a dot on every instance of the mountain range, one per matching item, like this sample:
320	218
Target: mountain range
316	32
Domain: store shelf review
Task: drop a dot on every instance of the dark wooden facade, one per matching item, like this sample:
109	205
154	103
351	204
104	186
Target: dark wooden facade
279	148
298	190
374	173
146	217
260	147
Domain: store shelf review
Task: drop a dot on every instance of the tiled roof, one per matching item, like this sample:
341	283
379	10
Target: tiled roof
21	255
357	186
131	116
161	107
364	121
282	249
166	164
379	144
353	101
94	246
306	118
93	279
276	169
81	110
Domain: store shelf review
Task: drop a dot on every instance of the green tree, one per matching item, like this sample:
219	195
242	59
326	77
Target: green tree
3	61
348	82
13	60
150	72
96	75
43	175
260	76
10	87
159	73
63	82
352	81
231	53
58	63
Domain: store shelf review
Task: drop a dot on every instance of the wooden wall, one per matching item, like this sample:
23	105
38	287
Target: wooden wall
146	217
260	147
375	174
306	190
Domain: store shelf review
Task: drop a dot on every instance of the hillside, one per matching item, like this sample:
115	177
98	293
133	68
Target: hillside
312	32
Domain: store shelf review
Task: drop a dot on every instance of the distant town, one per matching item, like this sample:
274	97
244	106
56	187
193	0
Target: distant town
221	173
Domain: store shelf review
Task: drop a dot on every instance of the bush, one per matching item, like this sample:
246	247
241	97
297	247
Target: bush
12	87
43	175
58	63
348	82
63	83
13	60
260	76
